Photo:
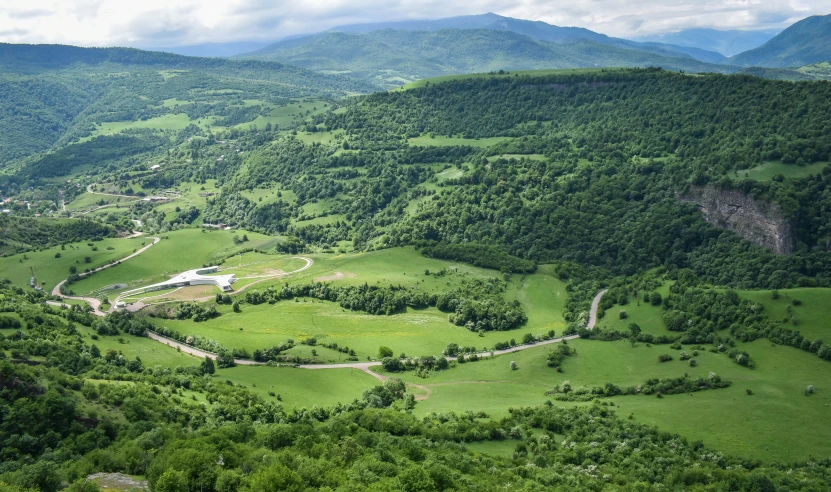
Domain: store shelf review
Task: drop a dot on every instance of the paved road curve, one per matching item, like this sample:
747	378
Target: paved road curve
95	303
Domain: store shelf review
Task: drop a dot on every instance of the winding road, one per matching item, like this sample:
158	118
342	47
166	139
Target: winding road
95	303
365	366
361	366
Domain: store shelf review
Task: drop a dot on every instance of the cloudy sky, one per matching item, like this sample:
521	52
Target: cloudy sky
150	23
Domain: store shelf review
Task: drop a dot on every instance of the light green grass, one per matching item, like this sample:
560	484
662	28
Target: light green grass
150	352
533	73
92	200
776	422
318	137
813	314
415	332
766	171
176	121
444	141
533	157
504	448
422	332
302	387
52	270
183	250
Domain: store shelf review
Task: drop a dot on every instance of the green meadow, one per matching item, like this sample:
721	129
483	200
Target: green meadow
178	251
444	141
299	388
767	170
812	314
52	269
728	419
414	332
536	73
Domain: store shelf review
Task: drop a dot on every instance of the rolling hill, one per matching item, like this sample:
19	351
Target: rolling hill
806	42
391	57
728	43
56	94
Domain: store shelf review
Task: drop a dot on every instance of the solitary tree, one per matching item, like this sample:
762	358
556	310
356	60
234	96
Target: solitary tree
208	366
385	352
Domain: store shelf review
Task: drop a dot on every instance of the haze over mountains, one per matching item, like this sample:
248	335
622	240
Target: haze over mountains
727	43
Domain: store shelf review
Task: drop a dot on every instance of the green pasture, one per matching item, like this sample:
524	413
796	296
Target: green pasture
727	419
444	141
533	73
302	387
318	137
52	270
92	200
184	249
150	352
812	315
533	157
422	332
767	170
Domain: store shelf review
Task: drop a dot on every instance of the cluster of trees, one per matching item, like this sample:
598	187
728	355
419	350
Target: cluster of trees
656	386
475	306
195	311
23	233
480	255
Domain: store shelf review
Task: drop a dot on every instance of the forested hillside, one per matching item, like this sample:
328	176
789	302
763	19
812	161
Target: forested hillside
390	57
806	42
57	94
607	155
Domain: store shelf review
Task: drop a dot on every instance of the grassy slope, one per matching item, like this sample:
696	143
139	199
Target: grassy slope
301	387
766	171
185	249
416	332
728	419
52	270
813	314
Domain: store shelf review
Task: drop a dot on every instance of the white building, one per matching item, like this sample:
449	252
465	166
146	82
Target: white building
185	279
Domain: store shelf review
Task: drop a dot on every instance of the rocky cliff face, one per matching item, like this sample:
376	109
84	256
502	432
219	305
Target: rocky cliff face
757	221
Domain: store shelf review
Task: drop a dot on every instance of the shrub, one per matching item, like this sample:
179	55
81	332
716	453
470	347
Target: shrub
693	363
748	391
384	352
664	358
810	389
514	366
622	314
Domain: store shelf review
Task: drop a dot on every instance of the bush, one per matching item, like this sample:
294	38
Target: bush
693	363
514	366
384	352
664	358
655	299
622	314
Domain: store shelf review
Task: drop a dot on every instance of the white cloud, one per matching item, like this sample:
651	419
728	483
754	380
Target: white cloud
184	22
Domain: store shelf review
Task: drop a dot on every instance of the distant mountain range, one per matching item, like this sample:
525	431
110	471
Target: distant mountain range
804	43
727	43
389	54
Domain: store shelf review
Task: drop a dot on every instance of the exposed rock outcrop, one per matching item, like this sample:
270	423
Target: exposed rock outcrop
757	221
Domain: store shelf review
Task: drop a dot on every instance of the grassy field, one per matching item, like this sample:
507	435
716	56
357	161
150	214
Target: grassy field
728	419
302	387
52	270
534	73
766	171
422	332
416	332
812	315
647	316
183	250
444	141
